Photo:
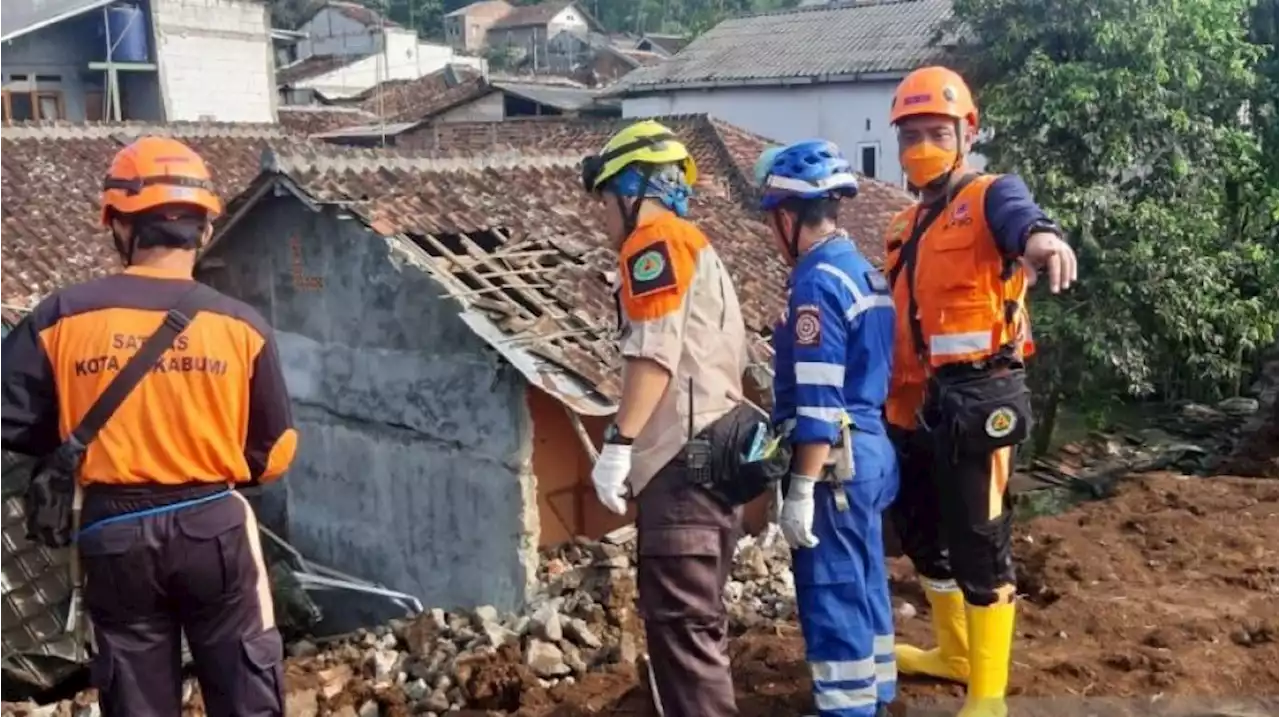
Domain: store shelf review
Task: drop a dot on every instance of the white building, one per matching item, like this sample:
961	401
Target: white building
156	60
348	48
819	72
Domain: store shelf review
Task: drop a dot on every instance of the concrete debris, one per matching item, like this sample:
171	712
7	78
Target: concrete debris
583	620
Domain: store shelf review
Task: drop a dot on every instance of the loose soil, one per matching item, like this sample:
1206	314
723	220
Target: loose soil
1169	589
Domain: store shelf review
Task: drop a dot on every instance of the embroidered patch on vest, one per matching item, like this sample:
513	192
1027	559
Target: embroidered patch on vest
808	326
1001	422
651	271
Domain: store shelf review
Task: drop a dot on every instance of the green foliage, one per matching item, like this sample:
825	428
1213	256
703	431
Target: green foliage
1147	128
686	17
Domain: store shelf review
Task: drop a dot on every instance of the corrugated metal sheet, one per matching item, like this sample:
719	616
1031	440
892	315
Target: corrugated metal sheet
889	36
24	16
37	591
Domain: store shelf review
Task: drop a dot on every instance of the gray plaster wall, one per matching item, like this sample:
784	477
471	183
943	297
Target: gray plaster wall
414	466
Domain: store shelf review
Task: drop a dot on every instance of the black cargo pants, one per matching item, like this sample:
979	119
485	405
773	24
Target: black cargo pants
686	544
196	570
953	514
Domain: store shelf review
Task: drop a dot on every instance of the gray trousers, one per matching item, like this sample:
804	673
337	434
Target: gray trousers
686	543
196	570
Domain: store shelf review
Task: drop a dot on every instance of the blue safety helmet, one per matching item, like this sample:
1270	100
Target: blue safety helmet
812	169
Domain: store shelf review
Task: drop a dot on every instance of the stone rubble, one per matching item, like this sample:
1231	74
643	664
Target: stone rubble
583	619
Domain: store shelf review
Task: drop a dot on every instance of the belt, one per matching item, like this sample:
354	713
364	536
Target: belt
148	512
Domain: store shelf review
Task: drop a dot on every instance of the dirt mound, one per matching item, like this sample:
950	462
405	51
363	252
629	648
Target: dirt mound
1169	587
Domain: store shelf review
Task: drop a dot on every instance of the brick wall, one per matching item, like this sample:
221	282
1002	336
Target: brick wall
215	60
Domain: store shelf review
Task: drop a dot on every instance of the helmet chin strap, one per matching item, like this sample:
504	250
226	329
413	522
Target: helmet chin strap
124	248
793	241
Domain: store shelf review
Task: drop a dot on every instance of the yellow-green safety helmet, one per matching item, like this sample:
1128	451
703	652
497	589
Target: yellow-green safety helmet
645	141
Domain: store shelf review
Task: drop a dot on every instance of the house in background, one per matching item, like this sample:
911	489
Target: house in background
337	27
466	29
349	48
458	94
825	71
525	31
155	60
593	58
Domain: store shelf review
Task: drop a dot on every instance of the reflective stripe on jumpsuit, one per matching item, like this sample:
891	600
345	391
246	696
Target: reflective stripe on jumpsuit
842	591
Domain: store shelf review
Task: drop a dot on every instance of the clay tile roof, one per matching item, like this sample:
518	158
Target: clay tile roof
725	154
427	96
313	66
494	201
528	15
313	119
511	235
51	179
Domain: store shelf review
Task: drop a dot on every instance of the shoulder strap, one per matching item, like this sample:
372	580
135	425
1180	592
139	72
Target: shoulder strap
910	253
175	322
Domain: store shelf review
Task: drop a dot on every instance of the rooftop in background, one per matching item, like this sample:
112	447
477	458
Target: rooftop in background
482	4
411	100
540	14
313	119
880	39
50	185
24	16
354	11
313	66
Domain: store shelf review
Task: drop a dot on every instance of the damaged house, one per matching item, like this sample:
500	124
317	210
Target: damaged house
446	326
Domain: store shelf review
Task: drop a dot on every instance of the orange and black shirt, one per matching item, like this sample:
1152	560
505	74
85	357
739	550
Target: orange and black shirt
213	408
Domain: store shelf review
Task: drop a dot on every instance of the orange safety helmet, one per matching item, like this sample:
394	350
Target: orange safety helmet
933	91
153	172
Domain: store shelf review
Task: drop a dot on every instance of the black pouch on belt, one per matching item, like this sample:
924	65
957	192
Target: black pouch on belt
49	501
727	443
981	411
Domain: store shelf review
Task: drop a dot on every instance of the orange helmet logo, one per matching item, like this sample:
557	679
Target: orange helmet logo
933	91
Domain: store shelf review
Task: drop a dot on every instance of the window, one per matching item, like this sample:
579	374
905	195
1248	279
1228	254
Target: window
868	158
42	105
93	106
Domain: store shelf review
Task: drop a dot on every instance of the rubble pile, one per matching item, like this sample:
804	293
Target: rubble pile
1256	452
582	619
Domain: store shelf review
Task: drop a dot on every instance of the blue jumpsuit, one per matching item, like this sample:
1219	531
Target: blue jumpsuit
832	358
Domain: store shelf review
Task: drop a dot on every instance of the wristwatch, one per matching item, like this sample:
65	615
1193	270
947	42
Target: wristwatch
613	435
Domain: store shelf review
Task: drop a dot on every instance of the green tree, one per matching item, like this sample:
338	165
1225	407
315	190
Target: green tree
1138	125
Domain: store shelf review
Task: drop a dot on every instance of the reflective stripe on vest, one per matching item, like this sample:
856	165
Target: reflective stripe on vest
960	296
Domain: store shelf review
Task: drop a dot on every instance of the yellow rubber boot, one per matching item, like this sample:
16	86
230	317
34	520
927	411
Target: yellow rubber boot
990	645
950	659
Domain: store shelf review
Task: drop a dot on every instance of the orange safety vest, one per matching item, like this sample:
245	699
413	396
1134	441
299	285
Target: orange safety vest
958	298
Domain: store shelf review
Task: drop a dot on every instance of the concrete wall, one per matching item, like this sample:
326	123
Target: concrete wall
329	32
853	115
216	60
414	465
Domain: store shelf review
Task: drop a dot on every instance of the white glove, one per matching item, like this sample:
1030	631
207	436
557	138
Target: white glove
796	518
610	476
